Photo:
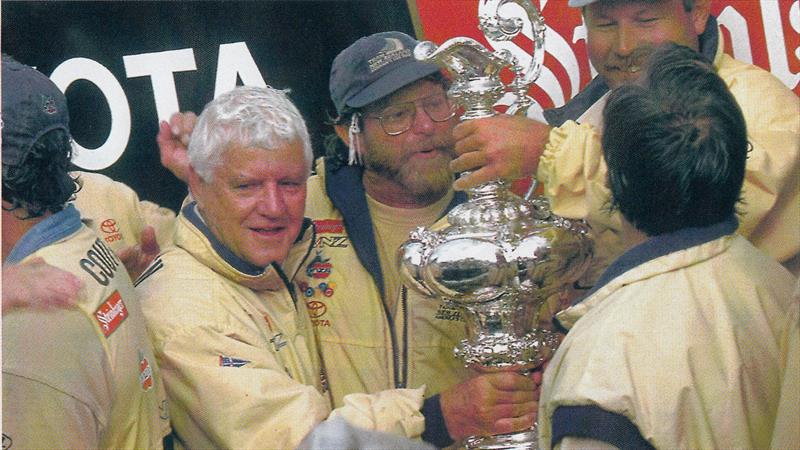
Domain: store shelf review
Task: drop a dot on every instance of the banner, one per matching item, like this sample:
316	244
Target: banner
763	32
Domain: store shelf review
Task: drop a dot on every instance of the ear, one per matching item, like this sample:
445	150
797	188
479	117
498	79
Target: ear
342	132
195	184
699	15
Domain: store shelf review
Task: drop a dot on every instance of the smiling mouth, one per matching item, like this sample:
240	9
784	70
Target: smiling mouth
271	231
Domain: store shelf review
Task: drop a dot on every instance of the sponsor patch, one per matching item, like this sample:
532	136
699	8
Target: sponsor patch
324	288
335	226
331	241
227	361
145	372
319	267
316	309
111	313
111	230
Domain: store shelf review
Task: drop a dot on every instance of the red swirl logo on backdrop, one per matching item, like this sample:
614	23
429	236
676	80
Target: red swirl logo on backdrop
109	226
316	309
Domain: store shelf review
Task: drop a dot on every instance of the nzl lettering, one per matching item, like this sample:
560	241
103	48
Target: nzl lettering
100	262
331	241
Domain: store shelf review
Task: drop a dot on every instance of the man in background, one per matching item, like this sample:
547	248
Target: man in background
566	155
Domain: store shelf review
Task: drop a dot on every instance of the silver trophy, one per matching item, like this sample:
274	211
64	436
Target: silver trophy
502	259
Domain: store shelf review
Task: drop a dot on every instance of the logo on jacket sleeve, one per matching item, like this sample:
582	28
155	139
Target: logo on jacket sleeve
145	372
111	313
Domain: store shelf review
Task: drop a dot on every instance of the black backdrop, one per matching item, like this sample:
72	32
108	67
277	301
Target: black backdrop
292	42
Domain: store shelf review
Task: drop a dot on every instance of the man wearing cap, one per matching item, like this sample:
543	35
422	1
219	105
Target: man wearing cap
82	377
388	174
566	155
385	174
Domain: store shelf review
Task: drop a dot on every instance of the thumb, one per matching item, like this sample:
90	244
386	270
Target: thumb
148	242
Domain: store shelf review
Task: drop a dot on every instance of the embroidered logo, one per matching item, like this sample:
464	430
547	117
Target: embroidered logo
319	267
111	313
227	361
332	226
110	228
392	51
325	288
145	372
278	342
316	309
331	241
49	105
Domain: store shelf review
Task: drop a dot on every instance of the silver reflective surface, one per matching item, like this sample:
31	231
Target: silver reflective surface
501	256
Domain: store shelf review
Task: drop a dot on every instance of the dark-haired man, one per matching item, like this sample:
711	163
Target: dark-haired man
698	330
82	377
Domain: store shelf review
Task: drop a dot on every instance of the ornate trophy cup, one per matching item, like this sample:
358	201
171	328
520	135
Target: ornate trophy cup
502	256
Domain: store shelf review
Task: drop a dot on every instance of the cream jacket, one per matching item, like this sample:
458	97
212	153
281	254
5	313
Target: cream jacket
694	347
241	365
115	212
81	377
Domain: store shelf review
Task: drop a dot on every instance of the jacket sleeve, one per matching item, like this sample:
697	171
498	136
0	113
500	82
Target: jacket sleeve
246	401
573	172
395	411
770	209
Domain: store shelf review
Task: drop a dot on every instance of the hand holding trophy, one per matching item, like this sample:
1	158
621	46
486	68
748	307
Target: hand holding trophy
501	256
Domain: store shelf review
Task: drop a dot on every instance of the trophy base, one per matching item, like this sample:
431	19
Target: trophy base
521	440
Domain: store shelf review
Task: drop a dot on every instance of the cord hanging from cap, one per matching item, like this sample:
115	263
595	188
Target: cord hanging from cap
354	136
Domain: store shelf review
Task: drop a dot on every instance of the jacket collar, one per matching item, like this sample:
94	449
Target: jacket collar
49	231
597	88
195	237
661	245
346	192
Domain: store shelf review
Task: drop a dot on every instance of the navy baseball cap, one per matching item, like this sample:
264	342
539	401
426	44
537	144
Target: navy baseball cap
374	67
32	106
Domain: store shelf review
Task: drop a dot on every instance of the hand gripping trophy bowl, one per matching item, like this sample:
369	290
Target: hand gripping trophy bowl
502	259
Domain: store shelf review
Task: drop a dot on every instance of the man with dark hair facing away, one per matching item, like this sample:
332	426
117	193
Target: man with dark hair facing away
690	338
82	377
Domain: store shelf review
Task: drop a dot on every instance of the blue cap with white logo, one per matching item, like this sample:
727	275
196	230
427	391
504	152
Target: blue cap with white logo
373	67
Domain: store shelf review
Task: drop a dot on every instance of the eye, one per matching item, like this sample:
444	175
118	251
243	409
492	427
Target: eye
396	114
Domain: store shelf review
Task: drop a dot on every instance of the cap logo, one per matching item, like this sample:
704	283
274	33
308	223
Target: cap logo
391	52
49	105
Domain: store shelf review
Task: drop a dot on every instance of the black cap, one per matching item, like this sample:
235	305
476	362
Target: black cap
32	106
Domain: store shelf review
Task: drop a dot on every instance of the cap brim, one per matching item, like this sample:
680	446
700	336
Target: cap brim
396	79
580	3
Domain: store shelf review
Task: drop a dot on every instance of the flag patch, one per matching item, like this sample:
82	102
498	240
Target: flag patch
227	361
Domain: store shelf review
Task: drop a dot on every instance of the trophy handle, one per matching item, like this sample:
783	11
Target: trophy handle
500	20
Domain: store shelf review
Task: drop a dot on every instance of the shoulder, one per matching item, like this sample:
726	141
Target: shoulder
178	293
755	87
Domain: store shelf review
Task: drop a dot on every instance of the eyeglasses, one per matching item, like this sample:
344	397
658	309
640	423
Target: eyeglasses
397	119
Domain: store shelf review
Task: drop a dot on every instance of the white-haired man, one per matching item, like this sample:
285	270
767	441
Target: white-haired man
240	357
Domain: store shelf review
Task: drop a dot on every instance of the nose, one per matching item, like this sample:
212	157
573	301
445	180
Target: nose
271	202
422	122
626	41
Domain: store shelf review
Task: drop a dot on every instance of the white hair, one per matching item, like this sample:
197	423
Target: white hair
246	116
